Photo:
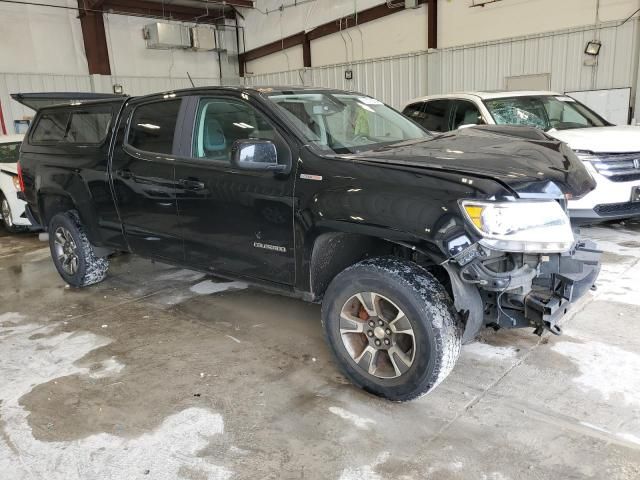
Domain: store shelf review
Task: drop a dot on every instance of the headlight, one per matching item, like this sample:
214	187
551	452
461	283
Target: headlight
521	226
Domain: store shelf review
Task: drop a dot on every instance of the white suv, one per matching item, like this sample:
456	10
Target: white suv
611	153
12	210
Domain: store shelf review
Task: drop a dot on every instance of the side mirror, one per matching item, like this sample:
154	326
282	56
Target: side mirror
256	155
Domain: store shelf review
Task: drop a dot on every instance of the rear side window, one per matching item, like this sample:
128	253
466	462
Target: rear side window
415	112
436	118
153	126
90	126
51	127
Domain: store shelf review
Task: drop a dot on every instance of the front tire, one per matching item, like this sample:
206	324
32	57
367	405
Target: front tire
392	328
72	253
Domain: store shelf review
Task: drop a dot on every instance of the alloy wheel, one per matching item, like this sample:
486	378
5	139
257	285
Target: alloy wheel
377	335
6	213
66	250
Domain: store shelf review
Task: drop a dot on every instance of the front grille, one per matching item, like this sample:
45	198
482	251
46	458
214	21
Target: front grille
611	209
618	167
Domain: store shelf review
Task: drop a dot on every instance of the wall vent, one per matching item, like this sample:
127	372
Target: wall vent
166	36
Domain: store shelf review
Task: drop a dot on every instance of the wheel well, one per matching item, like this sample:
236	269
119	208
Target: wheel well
335	251
51	205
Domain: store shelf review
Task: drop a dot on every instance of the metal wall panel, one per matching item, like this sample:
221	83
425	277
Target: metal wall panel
483	66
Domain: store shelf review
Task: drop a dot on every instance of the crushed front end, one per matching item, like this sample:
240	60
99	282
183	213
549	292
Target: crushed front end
527	289
524	269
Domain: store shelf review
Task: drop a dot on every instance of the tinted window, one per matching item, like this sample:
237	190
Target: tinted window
415	112
89	126
466	114
153	126
436	117
51	127
221	122
9	152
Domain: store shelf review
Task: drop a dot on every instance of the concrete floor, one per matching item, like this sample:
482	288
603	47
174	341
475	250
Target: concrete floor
163	373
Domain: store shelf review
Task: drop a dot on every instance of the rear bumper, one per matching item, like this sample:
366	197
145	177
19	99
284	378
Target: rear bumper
34	221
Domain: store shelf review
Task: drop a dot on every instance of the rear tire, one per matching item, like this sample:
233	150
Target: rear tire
72	253
391	327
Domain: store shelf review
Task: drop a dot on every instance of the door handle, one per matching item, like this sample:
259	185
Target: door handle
191	184
126	174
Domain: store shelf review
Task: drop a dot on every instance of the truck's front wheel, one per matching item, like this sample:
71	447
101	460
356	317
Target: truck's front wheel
72	253
392	328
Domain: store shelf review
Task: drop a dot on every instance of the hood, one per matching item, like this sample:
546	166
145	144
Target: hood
523	159
614	139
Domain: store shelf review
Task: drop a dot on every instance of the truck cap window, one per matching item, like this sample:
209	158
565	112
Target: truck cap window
223	121
546	112
88	125
153	126
344	122
51	127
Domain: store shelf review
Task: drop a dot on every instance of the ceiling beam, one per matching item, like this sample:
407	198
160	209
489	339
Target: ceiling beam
348	21
432	24
329	28
156	10
95	40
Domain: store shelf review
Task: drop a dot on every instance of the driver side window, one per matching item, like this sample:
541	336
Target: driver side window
222	121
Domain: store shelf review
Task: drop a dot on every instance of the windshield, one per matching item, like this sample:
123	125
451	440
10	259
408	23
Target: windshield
9	152
545	112
344	122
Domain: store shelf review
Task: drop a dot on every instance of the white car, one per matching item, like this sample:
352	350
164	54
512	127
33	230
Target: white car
12	210
610	153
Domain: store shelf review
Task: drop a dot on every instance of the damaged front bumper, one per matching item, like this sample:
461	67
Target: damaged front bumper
514	290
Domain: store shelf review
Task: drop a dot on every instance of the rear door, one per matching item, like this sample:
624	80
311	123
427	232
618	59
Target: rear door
235	221
143	176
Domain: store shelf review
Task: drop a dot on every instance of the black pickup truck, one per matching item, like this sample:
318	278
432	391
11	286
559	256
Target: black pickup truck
412	243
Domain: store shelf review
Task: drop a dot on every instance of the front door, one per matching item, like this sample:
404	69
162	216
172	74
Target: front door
235	222
143	176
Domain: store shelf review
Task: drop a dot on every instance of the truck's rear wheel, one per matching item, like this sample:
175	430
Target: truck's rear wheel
392	328
72	252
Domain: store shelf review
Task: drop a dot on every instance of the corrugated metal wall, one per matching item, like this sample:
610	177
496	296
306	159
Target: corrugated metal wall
483	66
25	83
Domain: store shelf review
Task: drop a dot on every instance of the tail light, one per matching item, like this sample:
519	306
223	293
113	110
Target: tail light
20	178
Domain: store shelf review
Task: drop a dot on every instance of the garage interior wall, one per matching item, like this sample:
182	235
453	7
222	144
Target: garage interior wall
485	65
50	57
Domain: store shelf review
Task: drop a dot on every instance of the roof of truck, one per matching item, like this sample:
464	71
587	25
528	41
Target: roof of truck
262	90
